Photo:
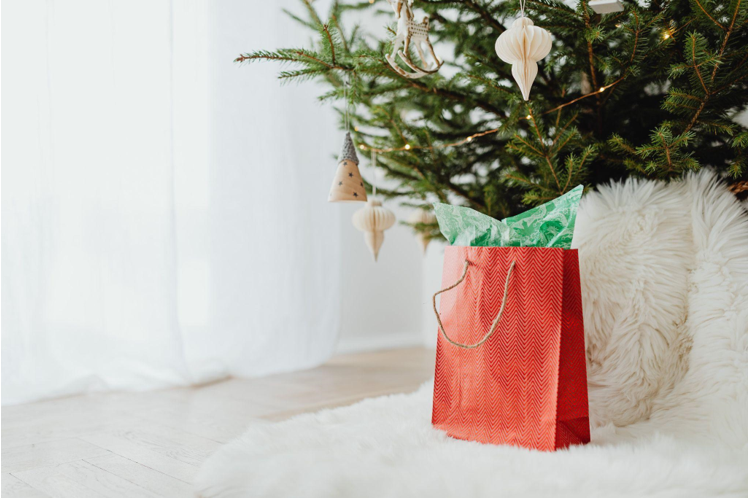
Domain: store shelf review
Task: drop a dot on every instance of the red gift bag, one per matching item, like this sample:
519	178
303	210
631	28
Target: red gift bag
510	358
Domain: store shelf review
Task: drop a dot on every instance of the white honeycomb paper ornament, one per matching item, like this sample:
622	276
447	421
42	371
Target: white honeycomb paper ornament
373	219
522	46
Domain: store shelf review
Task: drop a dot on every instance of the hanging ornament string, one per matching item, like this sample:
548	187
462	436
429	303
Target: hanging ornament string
522	7
374	164
347	184
346	121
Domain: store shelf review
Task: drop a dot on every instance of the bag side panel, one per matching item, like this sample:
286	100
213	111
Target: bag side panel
573	409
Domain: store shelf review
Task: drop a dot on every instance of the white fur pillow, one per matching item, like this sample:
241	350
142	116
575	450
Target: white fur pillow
639	244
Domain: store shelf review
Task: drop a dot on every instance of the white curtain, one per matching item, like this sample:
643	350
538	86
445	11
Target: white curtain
163	209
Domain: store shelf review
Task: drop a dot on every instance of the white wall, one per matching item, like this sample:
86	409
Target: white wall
381	301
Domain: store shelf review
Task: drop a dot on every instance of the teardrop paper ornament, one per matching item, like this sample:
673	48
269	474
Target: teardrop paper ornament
373	219
425	217
347	186
522	46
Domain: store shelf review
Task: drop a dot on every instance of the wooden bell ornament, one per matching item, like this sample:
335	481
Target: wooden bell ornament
522	46
373	219
347	186
427	218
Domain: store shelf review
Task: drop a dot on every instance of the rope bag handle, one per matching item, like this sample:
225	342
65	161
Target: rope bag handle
496	321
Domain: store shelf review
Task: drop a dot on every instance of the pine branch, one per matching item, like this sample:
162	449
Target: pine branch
727	37
332	45
711	18
663	97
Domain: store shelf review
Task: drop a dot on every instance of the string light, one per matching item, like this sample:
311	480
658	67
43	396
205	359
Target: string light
487	132
440	146
665	36
596	92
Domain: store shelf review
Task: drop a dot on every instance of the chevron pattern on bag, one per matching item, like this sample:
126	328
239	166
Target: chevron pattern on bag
505	391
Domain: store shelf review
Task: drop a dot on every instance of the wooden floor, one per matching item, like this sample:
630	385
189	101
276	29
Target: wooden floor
152	444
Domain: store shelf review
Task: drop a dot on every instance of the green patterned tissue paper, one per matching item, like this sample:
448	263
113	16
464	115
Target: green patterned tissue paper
549	225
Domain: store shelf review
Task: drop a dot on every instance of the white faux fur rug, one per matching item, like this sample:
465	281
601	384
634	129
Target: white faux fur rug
665	290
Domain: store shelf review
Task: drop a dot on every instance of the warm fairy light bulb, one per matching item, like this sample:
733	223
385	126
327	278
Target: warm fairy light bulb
602	89
362	146
528	116
407	146
469	139
666	36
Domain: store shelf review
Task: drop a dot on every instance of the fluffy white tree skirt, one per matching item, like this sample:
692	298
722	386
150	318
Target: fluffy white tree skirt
665	290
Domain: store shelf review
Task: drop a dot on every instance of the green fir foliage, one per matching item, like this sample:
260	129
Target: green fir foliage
673	74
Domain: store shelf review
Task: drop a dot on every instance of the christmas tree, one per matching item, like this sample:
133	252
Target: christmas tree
651	91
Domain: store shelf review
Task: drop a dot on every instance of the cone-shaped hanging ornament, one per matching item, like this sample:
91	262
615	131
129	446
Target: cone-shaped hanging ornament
522	46
347	186
373	219
427	218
